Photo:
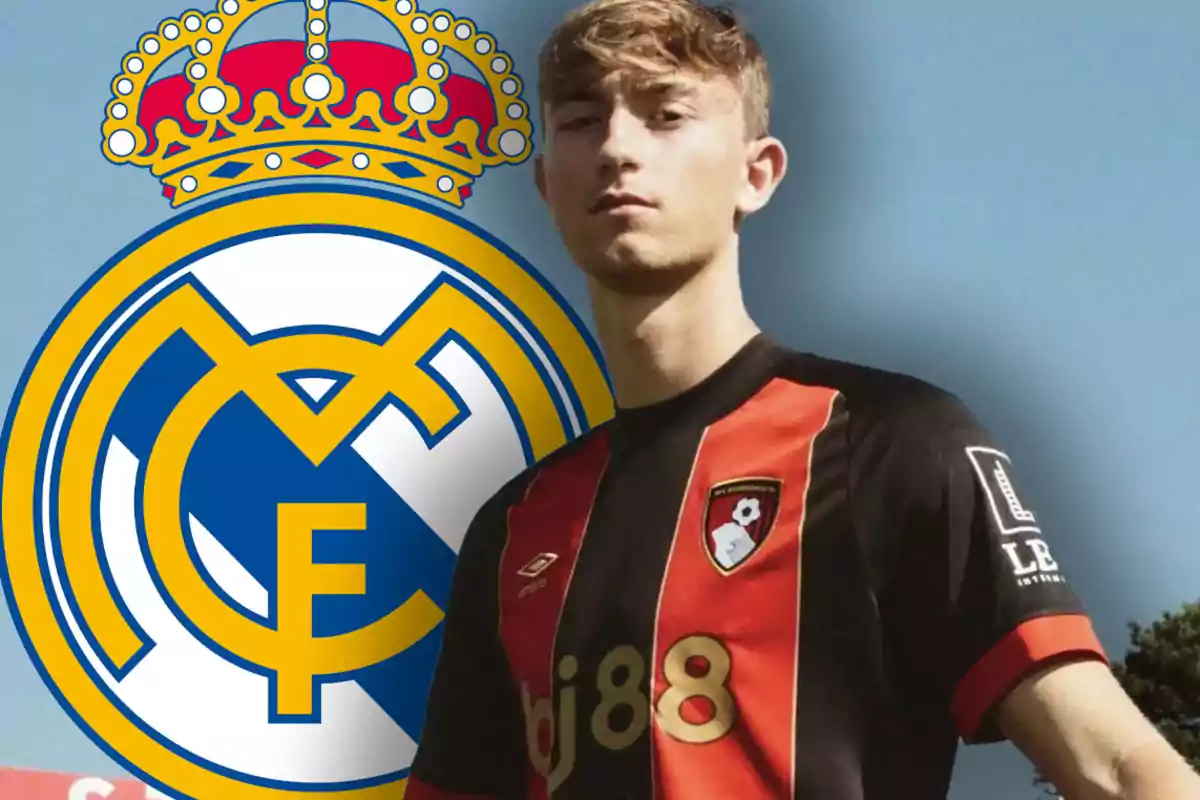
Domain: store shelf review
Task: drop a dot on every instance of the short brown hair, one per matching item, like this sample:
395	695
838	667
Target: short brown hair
652	37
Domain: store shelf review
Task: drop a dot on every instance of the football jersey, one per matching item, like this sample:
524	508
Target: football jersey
799	578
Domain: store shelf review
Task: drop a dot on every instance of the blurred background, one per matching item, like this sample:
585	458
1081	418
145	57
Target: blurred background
998	196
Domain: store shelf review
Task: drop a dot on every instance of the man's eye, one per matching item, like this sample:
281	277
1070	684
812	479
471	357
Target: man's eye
576	122
668	116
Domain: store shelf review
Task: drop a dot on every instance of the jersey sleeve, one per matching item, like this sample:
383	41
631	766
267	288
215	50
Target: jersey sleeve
979	590
472	744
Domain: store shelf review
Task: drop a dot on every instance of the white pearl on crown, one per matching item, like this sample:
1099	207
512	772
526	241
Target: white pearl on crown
122	143
317	87
422	100
512	143
212	100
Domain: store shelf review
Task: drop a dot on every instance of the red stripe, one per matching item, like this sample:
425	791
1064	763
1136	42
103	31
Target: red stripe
1015	656
751	614
418	790
552	519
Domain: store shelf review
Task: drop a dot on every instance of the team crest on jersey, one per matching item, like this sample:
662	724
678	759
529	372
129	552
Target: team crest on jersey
237	470
737	518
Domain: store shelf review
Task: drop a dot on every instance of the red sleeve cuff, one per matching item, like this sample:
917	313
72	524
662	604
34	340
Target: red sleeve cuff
417	789
1015	656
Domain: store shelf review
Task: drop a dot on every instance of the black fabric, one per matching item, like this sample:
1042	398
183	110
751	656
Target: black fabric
473	739
911	573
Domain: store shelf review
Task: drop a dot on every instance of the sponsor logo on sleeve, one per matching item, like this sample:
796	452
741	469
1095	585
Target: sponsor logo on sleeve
1020	535
993	468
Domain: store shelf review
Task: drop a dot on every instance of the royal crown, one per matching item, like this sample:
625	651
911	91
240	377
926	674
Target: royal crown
318	108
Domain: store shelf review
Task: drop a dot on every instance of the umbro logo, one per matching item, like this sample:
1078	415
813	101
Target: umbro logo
540	563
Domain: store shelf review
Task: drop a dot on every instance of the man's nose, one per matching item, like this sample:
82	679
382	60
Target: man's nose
624	138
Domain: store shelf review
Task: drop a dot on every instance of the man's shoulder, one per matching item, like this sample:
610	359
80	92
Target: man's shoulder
875	397
515	489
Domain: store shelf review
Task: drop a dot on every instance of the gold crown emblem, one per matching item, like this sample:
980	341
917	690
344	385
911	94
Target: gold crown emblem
290	109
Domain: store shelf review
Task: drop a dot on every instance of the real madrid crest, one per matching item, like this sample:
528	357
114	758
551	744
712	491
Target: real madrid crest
238	468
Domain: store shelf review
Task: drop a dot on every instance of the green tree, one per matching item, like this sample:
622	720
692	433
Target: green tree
1161	672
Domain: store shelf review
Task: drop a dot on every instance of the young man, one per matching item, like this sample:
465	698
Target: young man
772	575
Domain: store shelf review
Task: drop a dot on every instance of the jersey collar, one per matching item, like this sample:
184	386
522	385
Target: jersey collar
730	385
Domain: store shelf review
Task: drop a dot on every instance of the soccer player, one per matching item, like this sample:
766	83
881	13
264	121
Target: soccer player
771	575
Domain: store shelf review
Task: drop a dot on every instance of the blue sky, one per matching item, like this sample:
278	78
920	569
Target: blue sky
997	196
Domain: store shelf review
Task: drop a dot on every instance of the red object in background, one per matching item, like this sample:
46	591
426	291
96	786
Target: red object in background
24	784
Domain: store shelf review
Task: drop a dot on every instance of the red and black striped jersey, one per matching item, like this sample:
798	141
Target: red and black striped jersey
800	578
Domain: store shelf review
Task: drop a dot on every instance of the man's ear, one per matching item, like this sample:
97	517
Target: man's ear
539	175
766	165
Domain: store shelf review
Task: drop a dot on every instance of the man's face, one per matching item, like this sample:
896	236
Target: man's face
643	179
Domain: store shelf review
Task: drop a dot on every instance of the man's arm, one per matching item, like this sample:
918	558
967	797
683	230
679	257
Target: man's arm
1077	725
473	743
1021	660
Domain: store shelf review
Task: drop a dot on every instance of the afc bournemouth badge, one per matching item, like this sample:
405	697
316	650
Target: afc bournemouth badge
737	518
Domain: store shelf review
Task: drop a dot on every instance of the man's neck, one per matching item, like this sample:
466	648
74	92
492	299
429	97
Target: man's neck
657	347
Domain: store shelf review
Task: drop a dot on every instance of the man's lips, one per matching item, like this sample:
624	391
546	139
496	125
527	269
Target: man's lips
610	201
